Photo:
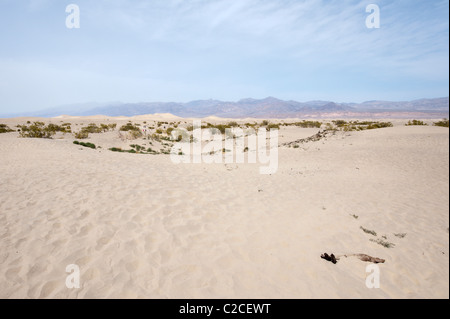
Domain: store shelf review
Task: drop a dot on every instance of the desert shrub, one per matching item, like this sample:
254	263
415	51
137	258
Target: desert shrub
308	124
340	123
367	231
252	125
233	124
56	128
221	127
81	135
129	127
90	145
115	149
443	123
383	243
415	122
169	131
159	131
135	134
92	128
379	125
272	126
5	128
138	148
37	130
40	130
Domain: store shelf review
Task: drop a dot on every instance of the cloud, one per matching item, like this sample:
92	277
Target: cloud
222	49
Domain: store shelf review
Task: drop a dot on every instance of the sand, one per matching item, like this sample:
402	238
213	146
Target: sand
139	226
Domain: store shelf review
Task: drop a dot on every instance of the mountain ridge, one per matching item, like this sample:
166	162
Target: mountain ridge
249	107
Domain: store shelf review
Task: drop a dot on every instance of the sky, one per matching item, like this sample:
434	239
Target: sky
182	50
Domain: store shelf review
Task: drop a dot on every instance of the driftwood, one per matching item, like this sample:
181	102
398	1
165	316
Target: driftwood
362	257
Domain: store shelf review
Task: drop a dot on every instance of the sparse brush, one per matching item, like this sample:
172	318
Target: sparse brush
355	216
37	130
135	134
400	235
308	124
129	127
340	123
5	128
415	122
379	125
90	145
383	243
272	126
169	131
81	135
367	231
443	123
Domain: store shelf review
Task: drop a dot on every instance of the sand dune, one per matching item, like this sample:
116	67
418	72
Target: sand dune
139	226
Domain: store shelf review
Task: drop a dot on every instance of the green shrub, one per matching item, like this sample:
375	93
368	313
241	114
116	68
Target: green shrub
383	243
90	145
81	135
272	126
37	130
443	123
379	125
308	124
135	134
340	123
5	129
367	231
129	127
415	122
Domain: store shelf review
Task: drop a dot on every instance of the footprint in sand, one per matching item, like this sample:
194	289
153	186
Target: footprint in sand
3	257
13	274
49	287
102	242
85	230
132	266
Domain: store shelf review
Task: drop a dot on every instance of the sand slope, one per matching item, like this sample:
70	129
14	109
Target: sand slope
141	227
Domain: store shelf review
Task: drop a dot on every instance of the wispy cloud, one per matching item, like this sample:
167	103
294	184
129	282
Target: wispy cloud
300	49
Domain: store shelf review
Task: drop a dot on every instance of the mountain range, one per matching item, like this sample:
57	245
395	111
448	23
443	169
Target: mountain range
269	107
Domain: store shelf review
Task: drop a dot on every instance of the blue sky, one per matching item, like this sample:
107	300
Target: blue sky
183	50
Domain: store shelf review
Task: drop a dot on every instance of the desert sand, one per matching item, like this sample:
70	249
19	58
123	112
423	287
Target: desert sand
140	226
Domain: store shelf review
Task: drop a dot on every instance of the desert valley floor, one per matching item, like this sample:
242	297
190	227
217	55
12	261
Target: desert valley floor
140	226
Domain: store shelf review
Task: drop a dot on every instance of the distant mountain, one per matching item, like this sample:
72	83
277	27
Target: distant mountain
269	107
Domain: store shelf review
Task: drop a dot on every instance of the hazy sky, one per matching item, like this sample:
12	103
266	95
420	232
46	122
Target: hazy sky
183	50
